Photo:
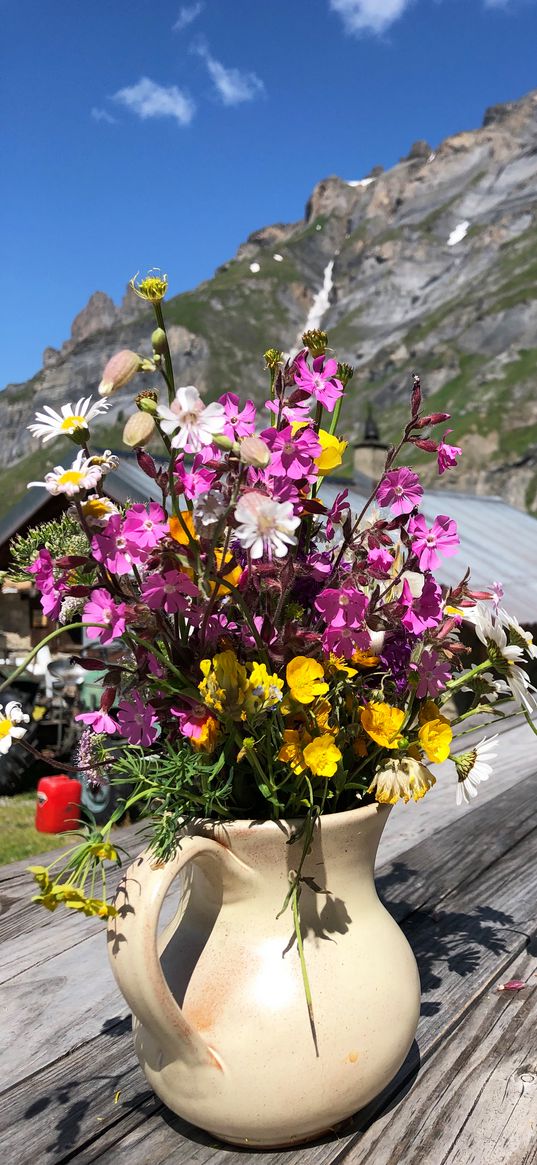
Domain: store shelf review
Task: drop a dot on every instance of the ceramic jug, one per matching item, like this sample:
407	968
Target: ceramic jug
221	1024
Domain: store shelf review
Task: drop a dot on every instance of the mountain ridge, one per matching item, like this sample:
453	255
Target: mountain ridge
430	266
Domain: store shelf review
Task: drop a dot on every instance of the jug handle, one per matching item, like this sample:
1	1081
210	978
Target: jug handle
133	937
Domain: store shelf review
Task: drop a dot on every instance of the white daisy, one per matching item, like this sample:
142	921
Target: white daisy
474	767
83	474
71	419
265	526
10	724
517	634
504	656
188	422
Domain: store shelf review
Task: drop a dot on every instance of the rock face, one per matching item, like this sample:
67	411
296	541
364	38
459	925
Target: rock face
430	267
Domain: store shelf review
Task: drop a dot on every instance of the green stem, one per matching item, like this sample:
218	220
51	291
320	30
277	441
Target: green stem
167	354
303	968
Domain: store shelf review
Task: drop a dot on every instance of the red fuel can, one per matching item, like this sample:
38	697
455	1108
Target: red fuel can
58	804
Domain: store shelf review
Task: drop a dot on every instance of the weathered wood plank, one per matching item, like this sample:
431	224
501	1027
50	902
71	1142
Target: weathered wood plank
476	1100
462	949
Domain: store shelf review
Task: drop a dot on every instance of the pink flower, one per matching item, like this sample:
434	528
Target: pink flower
51	600
101	608
298	413
114	549
292	453
137	720
447	454
434	673
145	527
100	721
198	481
423	610
321	382
380	562
169	592
42	569
338	513
344	641
400	489
342	607
239	423
429	544
319	564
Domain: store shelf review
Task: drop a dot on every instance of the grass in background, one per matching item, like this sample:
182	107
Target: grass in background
18	837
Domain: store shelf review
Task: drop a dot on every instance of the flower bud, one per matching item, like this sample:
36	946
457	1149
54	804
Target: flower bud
345	372
253	451
153	288
138	430
316	341
158	340
272	358
120	369
225	443
147	402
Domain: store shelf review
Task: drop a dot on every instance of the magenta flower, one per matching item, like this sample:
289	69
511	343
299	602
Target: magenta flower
169	592
434	673
320	381
447	454
299	413
137	720
145	527
344	641
51	599
101	608
401	490
100	721
319	564
293	453
429	544
342	607
116	552
380	562
198	481
338	513
239	422
42	569
422	611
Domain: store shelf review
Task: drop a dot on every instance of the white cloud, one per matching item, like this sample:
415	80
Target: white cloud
103	115
147	99
187	15
232	85
368	15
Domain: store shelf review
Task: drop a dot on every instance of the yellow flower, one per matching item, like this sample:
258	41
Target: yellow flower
305	679
186	536
232	576
104	851
382	723
322	712
264	690
338	663
332	452
153	288
224	684
292	749
399	779
435	734
40	875
364	658
322	756
208	735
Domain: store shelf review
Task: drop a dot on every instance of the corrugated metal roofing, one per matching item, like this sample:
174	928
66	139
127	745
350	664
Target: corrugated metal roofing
497	543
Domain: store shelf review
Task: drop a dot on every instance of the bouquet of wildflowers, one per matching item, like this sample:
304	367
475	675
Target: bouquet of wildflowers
268	656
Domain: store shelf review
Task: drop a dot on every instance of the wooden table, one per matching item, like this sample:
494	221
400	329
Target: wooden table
467	899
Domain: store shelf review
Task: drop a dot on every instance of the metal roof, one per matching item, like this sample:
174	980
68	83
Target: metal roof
498	543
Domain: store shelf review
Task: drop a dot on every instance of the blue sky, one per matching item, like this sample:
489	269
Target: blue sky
141	134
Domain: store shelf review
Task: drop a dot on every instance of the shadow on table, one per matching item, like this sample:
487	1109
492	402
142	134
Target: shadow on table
445	942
